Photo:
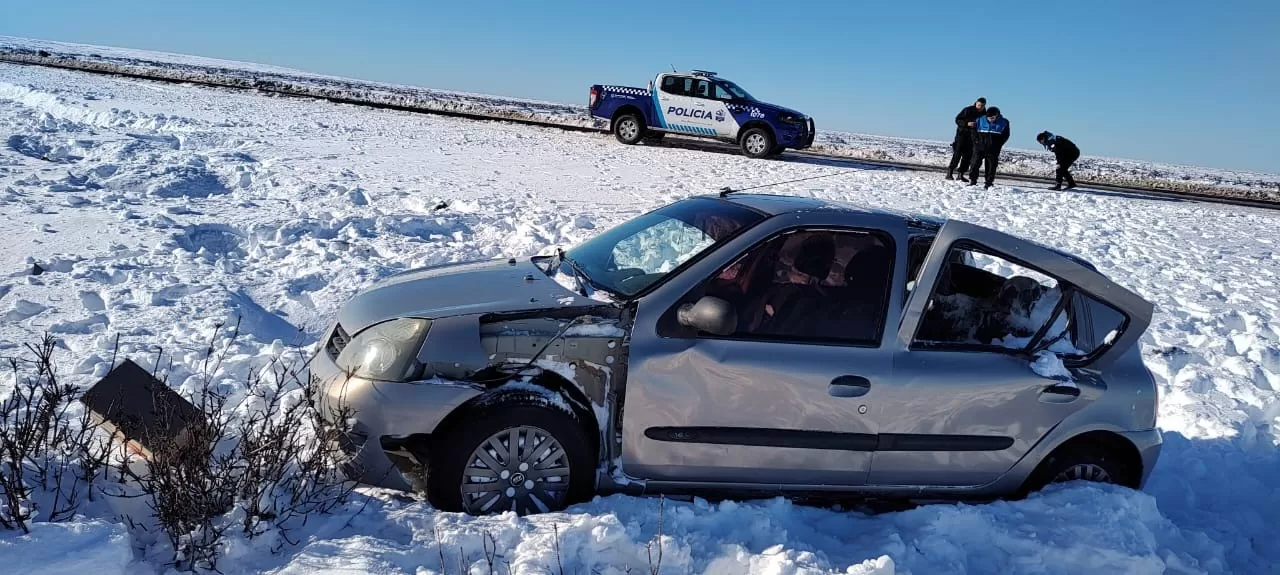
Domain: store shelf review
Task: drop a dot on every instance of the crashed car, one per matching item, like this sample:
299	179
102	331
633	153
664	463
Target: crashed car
753	345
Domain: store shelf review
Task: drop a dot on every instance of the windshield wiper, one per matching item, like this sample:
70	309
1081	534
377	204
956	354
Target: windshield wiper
584	283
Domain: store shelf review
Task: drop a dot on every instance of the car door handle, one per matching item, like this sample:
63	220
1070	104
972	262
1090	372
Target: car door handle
849	386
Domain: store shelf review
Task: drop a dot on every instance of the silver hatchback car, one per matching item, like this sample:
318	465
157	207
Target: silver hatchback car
746	345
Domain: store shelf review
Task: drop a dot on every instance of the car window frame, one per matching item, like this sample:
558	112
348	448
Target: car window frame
682	332
1066	288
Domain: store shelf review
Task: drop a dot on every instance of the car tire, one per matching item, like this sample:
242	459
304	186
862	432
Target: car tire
1098	466
629	129
459	476
757	143
776	151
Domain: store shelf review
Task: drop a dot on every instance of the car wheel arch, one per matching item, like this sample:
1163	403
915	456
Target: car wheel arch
742	130
1094	442
625	110
573	396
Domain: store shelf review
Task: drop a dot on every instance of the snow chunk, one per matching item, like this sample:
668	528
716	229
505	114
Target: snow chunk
1048	364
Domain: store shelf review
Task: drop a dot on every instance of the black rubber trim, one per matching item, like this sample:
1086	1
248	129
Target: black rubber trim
921	442
762	437
831	440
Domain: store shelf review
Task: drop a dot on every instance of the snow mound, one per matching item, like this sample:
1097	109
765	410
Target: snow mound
74	548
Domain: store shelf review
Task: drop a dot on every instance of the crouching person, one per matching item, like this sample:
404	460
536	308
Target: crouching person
1065	152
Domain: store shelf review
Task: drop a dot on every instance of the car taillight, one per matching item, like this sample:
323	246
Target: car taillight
594	95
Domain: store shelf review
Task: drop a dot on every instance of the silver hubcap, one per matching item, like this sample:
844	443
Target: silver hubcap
1084	471
628	129
755	143
522	469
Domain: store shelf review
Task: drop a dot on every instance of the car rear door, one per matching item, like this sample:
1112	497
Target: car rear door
965	403
780	402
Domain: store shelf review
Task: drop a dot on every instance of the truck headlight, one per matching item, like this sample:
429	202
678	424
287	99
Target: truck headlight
791	118
387	351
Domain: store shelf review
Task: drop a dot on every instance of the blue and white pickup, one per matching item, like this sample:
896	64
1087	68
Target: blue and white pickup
701	104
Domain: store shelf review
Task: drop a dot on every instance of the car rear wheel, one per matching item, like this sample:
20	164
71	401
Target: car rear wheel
757	143
514	456
628	128
1080	465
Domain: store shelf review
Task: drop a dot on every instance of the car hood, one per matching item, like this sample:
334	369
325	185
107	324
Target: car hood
480	287
778	108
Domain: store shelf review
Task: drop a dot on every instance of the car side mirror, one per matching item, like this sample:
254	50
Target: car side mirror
710	314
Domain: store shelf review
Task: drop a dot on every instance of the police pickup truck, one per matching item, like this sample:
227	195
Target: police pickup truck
699	103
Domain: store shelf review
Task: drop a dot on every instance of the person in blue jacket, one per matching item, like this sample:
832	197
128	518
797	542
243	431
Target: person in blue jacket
990	134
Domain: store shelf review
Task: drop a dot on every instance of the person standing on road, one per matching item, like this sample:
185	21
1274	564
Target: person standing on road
990	133
962	145
1066	153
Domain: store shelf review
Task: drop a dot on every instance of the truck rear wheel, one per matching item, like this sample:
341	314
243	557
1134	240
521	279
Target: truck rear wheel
628	128
757	143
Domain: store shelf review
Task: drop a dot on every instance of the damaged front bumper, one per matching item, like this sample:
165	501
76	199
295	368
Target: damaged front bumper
382	418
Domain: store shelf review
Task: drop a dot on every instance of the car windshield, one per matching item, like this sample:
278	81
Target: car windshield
734	89
629	258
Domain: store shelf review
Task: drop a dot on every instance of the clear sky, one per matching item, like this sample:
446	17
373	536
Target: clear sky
1183	81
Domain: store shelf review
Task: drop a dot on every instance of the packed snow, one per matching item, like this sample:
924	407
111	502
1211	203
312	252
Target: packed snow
177	67
155	211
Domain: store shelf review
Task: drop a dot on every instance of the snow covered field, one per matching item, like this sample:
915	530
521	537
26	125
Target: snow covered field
1120	172
157	210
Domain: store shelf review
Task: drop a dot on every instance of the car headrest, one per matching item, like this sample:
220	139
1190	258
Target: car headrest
868	264
817	255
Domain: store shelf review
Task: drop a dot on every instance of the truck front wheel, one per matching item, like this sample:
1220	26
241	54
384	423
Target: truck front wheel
757	143
628	128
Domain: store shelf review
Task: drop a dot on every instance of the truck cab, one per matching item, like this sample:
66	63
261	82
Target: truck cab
700	104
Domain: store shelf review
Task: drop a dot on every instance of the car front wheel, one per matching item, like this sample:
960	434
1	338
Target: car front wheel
516	456
757	143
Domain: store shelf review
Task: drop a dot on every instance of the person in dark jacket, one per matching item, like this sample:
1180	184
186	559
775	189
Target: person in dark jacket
962	145
990	133
1065	151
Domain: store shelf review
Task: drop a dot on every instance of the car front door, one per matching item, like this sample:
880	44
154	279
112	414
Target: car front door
965	403
779	399
681	111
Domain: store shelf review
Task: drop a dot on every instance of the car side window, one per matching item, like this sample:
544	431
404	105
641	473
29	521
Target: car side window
676	85
821	286
702	89
721	93
986	301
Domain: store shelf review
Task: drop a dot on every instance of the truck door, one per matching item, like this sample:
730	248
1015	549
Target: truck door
679	110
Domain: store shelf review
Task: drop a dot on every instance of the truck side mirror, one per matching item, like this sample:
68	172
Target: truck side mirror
710	314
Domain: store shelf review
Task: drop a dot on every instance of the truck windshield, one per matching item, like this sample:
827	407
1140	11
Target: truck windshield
629	258
733	90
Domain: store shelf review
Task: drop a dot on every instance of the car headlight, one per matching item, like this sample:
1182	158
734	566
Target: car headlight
387	351
791	118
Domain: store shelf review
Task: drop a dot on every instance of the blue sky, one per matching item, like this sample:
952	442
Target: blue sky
1181	81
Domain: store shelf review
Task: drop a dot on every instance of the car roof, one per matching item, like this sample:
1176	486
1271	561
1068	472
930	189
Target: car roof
774	204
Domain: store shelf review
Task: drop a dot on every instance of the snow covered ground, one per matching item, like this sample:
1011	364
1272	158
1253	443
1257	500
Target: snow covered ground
157	210
1191	179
